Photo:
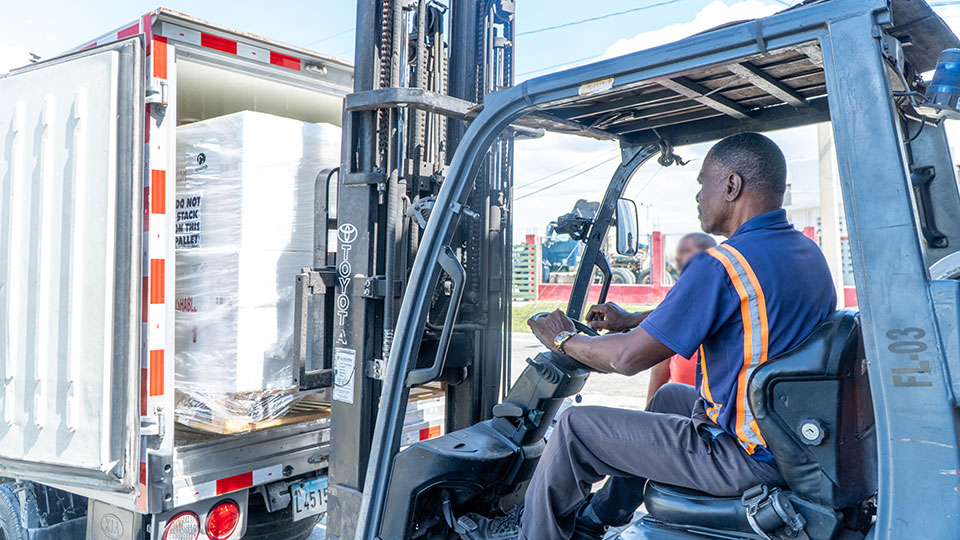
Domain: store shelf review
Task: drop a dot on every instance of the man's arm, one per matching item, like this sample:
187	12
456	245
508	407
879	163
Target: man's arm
611	317
626	354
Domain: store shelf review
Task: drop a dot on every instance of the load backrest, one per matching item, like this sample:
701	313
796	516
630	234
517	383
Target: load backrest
813	407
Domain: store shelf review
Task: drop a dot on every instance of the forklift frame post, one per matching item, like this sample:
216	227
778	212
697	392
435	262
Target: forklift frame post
633	157
912	397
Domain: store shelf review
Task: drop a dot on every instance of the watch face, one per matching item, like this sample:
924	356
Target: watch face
561	338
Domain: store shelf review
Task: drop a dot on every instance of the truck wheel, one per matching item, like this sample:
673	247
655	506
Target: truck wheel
10	527
279	525
623	276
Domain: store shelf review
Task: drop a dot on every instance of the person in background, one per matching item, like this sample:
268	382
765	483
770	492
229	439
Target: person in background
679	369
611	317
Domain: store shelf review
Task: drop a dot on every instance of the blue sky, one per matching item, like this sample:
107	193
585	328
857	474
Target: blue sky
665	197
46	28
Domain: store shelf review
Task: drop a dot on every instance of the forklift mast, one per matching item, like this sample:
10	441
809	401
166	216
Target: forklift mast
421	67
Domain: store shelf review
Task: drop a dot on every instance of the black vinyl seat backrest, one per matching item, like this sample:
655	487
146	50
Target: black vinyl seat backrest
813	407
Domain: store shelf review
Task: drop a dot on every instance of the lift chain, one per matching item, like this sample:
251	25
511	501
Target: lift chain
667	157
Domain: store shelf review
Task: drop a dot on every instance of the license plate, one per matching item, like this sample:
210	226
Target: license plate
309	498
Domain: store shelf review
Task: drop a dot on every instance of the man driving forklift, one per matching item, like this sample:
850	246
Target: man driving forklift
751	298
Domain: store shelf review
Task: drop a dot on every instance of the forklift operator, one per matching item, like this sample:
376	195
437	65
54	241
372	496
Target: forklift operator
750	299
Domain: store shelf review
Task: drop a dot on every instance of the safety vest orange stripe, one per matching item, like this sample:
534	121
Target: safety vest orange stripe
714	410
750	328
761	302
764	335
705	383
747	331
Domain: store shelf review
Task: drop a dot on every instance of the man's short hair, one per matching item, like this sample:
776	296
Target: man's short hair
759	162
701	240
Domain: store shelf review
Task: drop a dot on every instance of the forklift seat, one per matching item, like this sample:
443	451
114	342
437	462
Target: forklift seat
813	407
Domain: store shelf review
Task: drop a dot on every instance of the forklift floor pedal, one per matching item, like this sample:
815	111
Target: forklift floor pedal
477	527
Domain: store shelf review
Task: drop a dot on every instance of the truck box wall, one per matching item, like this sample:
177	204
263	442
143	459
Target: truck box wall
69	200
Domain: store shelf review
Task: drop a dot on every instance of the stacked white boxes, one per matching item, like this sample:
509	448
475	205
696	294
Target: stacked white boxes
244	229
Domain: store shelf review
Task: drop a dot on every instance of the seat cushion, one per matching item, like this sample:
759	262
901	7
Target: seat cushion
681	506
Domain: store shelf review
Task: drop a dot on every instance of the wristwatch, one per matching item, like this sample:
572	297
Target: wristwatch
562	338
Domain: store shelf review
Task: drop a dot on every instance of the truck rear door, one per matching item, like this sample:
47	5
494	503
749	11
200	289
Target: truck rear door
70	200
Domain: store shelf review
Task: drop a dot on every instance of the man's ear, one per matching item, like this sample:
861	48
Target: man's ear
733	187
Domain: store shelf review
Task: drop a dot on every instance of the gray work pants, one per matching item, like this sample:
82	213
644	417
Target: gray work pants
662	444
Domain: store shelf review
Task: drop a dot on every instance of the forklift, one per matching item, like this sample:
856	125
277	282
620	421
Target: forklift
861	417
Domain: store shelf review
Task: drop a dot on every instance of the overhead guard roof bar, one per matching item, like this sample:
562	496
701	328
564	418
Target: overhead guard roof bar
694	91
765	82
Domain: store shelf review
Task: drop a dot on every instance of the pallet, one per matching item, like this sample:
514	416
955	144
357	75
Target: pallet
312	406
309	407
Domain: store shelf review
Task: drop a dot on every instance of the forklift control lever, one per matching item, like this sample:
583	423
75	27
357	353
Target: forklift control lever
451	265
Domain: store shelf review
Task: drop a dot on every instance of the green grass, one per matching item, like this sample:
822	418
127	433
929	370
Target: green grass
524	310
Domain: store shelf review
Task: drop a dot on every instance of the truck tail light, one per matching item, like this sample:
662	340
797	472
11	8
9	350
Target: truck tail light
185	526
223	520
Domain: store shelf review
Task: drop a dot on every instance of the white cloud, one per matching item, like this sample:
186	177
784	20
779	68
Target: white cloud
711	16
12	57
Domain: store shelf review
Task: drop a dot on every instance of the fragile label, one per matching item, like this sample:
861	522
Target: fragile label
344	362
188	221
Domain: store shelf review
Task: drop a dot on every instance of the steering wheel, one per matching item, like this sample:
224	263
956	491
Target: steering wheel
565	361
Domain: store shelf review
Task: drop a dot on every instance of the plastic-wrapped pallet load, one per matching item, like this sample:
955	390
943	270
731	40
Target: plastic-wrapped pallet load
244	229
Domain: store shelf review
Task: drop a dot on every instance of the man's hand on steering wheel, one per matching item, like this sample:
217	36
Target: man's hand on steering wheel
547	327
611	317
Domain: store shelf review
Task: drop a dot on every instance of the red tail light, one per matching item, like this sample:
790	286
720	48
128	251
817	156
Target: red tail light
223	520
185	526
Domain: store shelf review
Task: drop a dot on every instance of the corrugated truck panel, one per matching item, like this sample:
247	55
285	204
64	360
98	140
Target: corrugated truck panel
59	260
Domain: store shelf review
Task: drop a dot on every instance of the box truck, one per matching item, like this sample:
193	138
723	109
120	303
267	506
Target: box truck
89	441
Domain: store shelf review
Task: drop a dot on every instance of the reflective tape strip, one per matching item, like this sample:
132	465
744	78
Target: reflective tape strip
155	376
420	432
755	337
229	46
160	57
157	369
131	30
253	53
190	493
179	33
713	411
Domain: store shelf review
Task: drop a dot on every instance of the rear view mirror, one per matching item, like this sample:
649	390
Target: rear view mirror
627	227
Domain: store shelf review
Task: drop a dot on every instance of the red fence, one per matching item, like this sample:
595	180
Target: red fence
647	293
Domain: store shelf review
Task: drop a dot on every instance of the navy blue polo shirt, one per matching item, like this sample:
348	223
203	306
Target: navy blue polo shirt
748	300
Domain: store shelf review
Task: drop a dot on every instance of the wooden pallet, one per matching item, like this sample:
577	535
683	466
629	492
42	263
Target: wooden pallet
309	407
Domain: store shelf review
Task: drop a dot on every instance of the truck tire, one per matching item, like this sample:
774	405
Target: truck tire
279	525
10	527
623	276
